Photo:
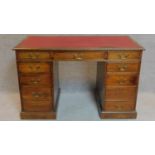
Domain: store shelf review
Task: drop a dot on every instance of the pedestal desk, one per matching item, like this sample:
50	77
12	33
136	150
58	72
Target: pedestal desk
118	68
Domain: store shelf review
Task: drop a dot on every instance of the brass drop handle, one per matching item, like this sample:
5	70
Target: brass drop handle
35	81
33	55
123	68
77	57
122	81
36	95
123	56
34	68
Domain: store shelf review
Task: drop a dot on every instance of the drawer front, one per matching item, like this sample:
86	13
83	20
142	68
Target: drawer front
121	80
124	55
119	106
35	80
37	106
123	67
34	67
120	93
36	94
32	55
75	56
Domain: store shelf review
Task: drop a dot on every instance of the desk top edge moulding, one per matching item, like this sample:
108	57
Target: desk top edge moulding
118	70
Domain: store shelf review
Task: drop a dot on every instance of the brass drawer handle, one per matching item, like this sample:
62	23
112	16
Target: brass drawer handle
35	81
123	68
78	57
122	82
123	56
33	55
38	95
34	68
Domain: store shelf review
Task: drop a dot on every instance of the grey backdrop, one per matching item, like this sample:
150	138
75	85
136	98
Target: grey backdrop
76	80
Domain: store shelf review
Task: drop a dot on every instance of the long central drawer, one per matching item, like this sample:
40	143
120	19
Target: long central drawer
77	56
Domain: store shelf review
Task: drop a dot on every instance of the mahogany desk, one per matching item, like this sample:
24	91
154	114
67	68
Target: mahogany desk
118	67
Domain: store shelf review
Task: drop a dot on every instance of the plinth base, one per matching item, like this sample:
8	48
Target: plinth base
38	115
118	115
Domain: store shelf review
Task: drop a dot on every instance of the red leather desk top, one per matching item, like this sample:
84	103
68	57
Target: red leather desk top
78	42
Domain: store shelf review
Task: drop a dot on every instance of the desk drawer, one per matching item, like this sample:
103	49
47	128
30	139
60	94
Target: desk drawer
121	79
120	93
33	55
37	106
124	55
35	80
119	106
36	94
77	56
34	67
123	67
